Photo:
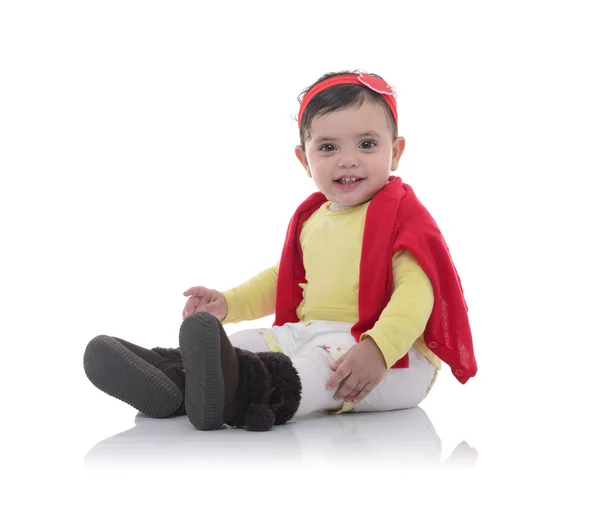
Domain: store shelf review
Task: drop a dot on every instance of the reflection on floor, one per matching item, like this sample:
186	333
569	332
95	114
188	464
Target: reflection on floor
401	438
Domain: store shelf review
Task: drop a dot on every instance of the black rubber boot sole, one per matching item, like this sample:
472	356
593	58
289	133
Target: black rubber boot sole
200	345
120	373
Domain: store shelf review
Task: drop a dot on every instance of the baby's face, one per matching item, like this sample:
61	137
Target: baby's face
349	153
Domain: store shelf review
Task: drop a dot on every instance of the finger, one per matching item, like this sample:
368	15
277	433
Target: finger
196	291
337	363
352	395
346	387
192	303
337	377
364	393
190	306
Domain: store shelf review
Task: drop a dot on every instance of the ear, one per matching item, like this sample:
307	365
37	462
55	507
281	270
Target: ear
398	148
301	156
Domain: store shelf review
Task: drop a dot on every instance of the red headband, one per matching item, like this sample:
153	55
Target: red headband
376	84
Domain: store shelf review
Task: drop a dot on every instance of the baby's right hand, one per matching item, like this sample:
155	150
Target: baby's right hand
204	299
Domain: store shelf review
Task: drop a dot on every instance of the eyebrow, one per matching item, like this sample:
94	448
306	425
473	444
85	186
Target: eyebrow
369	134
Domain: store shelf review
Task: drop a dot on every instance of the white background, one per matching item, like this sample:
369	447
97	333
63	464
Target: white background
146	147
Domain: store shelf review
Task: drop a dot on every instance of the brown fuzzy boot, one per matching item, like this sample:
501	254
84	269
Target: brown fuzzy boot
152	381
225	384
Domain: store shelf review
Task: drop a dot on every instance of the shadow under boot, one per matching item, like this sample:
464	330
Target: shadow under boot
228	385
150	380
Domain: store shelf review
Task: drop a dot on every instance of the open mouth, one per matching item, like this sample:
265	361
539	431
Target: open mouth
348	183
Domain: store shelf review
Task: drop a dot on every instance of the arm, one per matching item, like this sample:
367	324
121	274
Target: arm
400	324
406	315
253	299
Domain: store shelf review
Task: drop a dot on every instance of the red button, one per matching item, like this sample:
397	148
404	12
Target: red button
458	373
433	345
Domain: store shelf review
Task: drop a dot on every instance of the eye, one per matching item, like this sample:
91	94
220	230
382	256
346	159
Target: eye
327	148
368	144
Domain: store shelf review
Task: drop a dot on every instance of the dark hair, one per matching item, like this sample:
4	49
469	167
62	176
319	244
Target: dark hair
339	97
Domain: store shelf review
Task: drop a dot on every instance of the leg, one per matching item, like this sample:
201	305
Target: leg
251	340
313	368
324	343
401	388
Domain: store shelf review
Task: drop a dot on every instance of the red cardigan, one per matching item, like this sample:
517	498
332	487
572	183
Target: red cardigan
396	220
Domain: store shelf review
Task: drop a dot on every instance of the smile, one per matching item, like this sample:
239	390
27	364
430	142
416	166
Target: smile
348	183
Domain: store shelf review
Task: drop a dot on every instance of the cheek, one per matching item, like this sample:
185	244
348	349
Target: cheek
313	162
317	169
383	163
318	177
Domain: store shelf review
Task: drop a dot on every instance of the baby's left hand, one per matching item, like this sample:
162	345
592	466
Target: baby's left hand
358	371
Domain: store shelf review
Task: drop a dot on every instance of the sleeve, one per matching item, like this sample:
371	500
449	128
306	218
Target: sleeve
254	298
405	317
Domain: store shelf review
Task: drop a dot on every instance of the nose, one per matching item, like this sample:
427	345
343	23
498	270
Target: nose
347	161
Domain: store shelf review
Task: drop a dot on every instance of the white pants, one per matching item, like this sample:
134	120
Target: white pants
315	345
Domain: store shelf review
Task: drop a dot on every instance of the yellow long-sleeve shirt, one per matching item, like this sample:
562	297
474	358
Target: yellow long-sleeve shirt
331	242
